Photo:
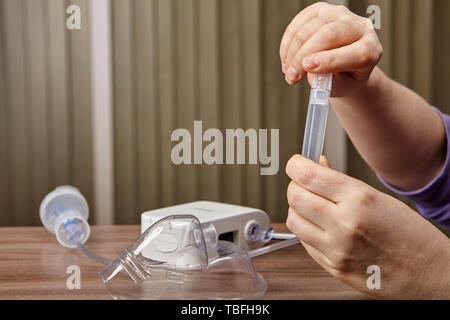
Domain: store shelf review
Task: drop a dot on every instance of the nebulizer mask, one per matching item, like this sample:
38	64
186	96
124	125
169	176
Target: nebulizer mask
177	257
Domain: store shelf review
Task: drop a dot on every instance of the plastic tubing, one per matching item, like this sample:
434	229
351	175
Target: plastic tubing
93	256
273	247
282	236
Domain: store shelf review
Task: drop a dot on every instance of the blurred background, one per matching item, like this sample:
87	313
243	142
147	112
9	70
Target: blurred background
95	107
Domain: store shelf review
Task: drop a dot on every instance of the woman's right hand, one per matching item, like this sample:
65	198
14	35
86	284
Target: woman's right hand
325	38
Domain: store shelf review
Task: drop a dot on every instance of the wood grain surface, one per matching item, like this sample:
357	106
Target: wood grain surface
33	266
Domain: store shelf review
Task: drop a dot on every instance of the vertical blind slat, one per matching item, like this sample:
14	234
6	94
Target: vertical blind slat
37	99
272	91
5	211
57	71
124	108
231	94
251	108
18	112
147	104
209	100
167	97
186	186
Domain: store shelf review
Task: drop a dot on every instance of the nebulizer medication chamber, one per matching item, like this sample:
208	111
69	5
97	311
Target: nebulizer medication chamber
64	212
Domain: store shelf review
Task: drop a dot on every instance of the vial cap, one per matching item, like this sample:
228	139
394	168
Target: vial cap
322	81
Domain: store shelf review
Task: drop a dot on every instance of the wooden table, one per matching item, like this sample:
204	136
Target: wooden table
33	266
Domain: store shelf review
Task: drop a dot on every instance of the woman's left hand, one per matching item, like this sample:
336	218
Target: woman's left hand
347	226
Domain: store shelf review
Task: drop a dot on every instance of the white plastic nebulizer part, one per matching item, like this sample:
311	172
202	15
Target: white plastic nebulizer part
64	212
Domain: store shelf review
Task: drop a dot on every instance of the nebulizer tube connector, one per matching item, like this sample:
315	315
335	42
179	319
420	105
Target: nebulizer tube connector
316	120
258	233
64	213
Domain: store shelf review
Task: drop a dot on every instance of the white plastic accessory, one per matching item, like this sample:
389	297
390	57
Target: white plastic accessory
64	212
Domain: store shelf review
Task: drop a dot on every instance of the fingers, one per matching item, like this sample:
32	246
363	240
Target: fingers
332	35
310	206
360	54
303	17
326	12
300	36
320	180
305	230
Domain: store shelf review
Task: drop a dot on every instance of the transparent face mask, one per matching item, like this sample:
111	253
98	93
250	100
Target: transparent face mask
179	258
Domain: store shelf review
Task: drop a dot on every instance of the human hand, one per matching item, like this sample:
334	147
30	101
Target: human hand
325	38
347	226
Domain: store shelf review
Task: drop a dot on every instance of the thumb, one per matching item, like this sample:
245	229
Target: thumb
324	162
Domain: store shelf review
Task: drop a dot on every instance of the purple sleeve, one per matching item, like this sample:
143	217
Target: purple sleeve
433	200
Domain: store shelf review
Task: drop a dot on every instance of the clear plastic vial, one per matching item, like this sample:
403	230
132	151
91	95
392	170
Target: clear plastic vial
316	121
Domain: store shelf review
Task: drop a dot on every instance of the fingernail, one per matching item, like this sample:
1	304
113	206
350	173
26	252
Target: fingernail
311	62
284	67
287	80
292	74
